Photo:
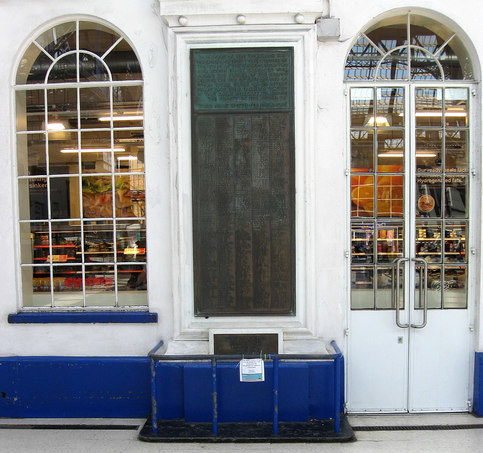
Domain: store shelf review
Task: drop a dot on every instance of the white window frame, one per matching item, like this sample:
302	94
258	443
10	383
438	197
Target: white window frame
303	40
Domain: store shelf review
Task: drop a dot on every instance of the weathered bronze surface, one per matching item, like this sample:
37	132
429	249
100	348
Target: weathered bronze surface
242	79
243	167
246	343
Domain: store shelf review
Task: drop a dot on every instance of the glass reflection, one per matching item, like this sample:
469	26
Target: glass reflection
384	296
434	288
429	106
123	63
96	156
455	196
390	104
394	66
130	196
63	153
31	154
362	238
133	142
390	242
99	242
34	243
424	66
65	70
132	285
362	60
94	105
429	144
456	107
61	111
100	286
30	110
36	286
96	38
127	106
428	241
362	196
456	147
362	285
97	196
454	291
428	196
362	106
389	33
59	39
68	286
362	151
390	196
91	69
390	151
131	241
455	242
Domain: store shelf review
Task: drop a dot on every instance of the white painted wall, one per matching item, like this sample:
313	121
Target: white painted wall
140	21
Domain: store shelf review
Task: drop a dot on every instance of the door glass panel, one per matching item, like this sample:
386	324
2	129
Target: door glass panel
434	287
455	196
362	285
390	150
428	196
389	242
384	293
429	106
454	290
456	151
362	243
362	106
456	107
362	196
428	241
390	196
429	143
362	150
390	105
455	242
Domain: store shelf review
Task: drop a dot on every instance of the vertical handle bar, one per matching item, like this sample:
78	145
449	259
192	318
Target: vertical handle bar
424	291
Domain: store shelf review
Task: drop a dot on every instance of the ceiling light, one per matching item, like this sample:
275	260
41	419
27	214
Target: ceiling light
440	114
55	126
127	158
122	118
92	150
378	120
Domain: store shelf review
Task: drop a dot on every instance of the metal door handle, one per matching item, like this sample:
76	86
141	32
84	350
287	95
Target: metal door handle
423	290
397	264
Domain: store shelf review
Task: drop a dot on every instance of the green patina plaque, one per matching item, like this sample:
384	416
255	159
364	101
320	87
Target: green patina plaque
241	79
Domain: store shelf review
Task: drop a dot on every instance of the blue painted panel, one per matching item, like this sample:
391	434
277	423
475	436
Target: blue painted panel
198	390
169	390
321	390
244	401
133	317
478	387
293	392
74	387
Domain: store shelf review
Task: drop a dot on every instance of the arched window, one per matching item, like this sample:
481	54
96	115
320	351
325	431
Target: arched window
80	167
409	80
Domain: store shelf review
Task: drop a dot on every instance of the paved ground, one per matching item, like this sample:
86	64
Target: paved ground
20	439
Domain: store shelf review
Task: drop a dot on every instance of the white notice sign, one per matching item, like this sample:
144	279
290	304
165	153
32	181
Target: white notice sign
252	370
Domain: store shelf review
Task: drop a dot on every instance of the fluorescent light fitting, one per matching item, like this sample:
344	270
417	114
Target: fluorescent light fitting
440	114
418	154
127	158
122	118
92	150
55	126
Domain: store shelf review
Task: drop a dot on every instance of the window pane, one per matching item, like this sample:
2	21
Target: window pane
362	196
97	155
129	197
456	147
362	107
384	295
456	61
429	152
68	286
428	196
454	292
455	195
132	160
362	150
362	237
95	107
362	284
428	241
455	242
423	33
389	33
424	66
36	286
30	110
390	242
33	66
123	63
92	69
362	60
97	196
66	242
429	107
59	39
390	150
132	285
127	106
390	192
390	104
64	200
96	37
456	107
100	286
31	154
131	240
65	70
394	66
99	242
34	243
62	110
434	287
32	194
63	153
